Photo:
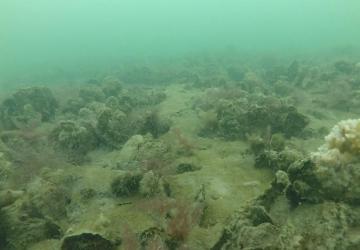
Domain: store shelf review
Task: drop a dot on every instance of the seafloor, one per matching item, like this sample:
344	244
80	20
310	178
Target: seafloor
196	153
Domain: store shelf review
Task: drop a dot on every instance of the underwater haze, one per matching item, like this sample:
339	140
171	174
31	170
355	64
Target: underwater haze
76	36
179	124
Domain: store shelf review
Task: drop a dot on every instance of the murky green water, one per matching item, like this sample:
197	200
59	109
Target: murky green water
179	124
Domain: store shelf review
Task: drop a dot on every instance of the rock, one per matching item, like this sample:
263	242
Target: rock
113	127
153	237
304	186
113	103
282	178
28	106
336	163
357	67
88	241
236	119
258	215
236	73
47	199
283	88
25	228
130	150
7	197
3	230
111	86
73	106
340	183
326	225
344	67
293	70
276	160
294	123
91	94
277	142
143	152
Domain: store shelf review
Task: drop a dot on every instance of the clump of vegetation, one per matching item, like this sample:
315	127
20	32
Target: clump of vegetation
91	94
29	151
270	152
182	219
39	100
113	128
112	113
73	140
185	146
151	184
129	239
275	160
51	199
29	227
87	194
186	167
151	123
126	185
269	141
176	219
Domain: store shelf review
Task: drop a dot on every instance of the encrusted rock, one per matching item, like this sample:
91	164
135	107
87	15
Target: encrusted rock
88	241
126	184
26	106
